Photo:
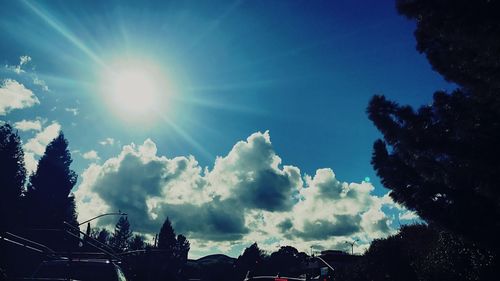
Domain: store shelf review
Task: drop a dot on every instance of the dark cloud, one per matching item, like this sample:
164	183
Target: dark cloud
215	220
285	225
268	191
344	225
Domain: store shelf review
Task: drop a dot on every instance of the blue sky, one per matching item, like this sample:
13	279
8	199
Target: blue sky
222	74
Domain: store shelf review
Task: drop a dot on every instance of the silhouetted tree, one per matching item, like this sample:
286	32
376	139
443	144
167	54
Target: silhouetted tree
442	161
12	177
251	261
49	198
121	236
286	261
166	238
459	38
172	254
137	242
420	252
101	235
183	247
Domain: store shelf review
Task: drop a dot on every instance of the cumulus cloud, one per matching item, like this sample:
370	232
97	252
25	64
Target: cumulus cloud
247	196
90	155
36	146
28	125
14	95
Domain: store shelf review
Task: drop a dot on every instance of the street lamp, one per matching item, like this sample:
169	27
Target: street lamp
352	245
119	213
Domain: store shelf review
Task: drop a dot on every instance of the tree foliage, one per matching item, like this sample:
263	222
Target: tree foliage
49	189
48	202
460	39
122	235
286	261
183	247
166	238
12	177
251	260
420	252
137	242
441	160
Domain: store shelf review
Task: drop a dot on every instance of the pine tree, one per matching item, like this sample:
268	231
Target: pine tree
12	177
122	235
459	38
442	159
166	238
49	190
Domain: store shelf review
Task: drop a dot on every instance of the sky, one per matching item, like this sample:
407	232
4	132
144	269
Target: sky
242	121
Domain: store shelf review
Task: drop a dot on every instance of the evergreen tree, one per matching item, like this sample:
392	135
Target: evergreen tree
166	238
442	161
49	202
49	189
122	235
460	39
12	177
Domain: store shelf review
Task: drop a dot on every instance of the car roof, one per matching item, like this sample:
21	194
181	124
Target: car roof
78	260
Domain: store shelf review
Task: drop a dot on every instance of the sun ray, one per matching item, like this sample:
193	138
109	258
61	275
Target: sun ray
182	133
64	32
219	105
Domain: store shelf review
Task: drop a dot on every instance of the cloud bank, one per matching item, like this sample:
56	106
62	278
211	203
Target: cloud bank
247	196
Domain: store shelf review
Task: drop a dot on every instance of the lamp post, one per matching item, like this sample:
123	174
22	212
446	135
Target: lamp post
119	213
352	245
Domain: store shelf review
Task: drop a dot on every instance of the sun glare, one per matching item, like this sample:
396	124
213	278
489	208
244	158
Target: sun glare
135	91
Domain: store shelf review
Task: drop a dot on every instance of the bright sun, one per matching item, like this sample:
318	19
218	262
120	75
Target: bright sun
135	91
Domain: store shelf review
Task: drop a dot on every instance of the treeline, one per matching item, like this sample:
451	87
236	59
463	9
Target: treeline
38	206
286	261
162	259
421	252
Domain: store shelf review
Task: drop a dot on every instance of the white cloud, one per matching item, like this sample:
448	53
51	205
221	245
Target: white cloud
248	196
409	215
28	125
41	83
91	155
14	95
24	60
36	146
107	141
72	110
18	69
